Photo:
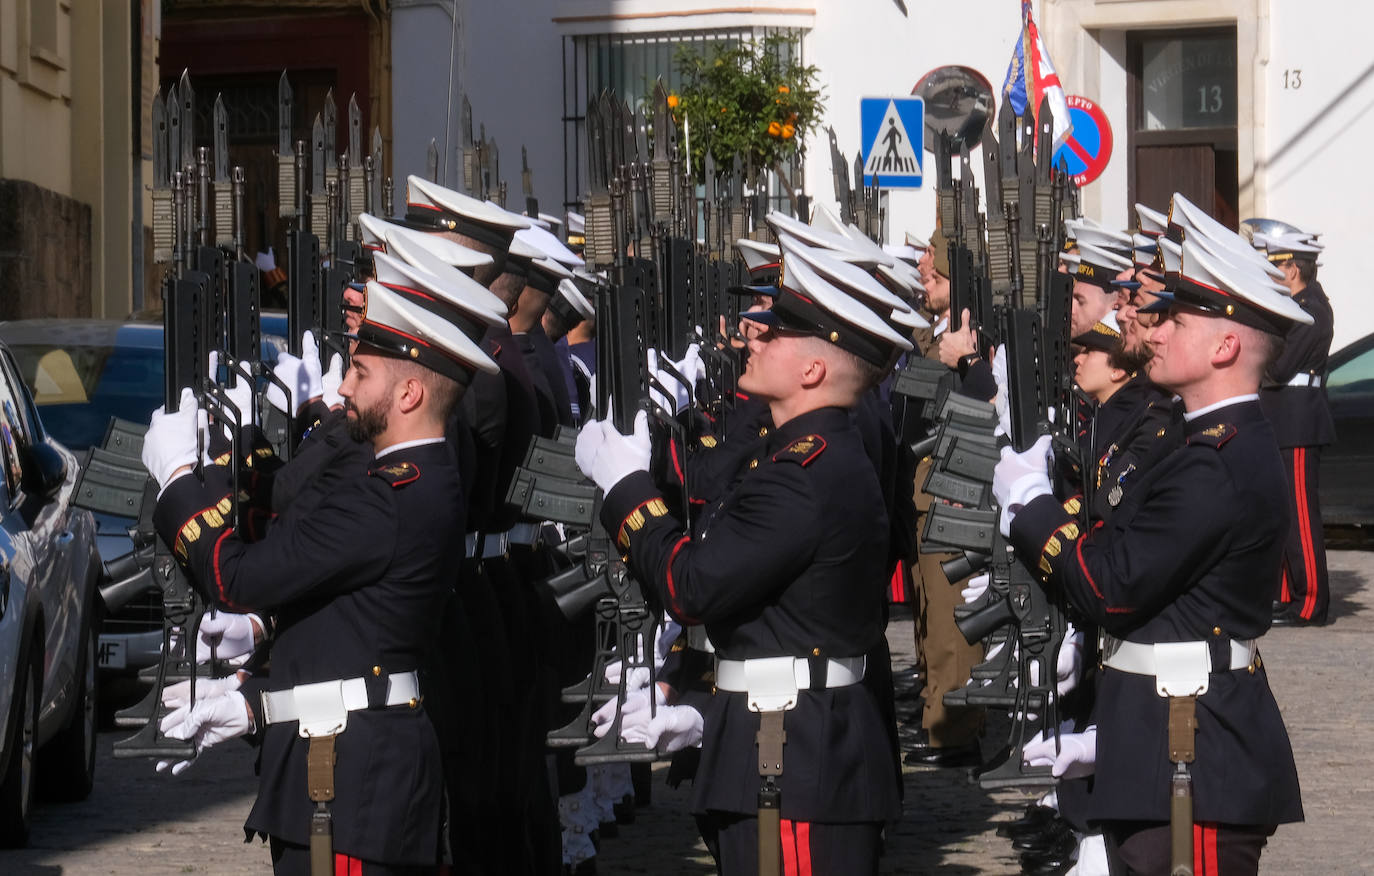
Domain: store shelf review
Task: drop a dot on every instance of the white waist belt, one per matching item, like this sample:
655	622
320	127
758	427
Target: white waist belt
772	683
322	708
1180	669
1305	380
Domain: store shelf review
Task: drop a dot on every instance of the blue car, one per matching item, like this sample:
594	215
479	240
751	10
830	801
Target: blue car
82	372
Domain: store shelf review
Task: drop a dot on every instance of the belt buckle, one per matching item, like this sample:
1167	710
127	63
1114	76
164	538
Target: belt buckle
1182	668
320	708
771	683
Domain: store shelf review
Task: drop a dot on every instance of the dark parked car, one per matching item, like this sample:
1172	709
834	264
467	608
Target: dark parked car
82	372
1347	467
49	615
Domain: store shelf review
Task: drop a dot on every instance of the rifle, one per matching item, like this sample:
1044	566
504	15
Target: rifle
1032	320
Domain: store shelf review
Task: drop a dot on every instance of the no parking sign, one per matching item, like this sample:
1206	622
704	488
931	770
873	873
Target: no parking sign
1089	147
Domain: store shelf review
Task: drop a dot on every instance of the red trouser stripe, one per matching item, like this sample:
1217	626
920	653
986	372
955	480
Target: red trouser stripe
1197	851
1209	843
898	585
803	848
347	866
789	849
1309	553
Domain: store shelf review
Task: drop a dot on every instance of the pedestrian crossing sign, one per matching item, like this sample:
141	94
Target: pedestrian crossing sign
893	140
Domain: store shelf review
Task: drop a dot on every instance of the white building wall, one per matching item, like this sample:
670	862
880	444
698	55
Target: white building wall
1302	151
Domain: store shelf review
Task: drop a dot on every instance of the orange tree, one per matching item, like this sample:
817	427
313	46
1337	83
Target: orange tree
752	98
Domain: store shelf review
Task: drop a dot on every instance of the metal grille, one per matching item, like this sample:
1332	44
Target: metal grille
629	65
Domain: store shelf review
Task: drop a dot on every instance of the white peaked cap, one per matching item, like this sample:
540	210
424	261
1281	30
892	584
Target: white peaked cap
567	289
404	328
450	252
849	279
471	297
548	246
422	193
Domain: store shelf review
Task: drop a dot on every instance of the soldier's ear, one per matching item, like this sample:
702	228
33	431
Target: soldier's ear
1227	347
410	393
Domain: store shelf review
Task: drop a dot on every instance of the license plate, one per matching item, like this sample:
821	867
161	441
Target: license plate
112	654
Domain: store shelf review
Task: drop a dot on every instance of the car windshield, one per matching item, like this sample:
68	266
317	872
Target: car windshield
78	388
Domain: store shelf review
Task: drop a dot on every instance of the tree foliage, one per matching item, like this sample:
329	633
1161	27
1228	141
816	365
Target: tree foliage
753	99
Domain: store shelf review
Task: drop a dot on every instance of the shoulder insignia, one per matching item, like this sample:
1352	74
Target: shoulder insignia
707	441
802	451
398	474
1215	436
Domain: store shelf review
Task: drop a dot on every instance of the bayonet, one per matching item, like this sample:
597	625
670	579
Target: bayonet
432	161
356	191
164	242
839	171
469	182
493	156
331	133
286	158
527	185
188	120
319	216
662	167
375	184
224	196
173	153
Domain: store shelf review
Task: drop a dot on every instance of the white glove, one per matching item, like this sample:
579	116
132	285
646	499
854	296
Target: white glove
619	455
174	696
977	586
331	381
170	442
1068	668
999	401
302	376
208	722
691	365
1020	477
638	680
232	635
266	261
682	394
240	395
675	727
668	633
589	441
636	701
1076	757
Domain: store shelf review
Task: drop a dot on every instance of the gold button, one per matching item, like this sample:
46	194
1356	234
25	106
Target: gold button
815	652
753	463
414	702
376	670
763	431
1216	631
1251	667
834	337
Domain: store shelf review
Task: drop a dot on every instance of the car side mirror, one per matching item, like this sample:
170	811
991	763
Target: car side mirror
44	470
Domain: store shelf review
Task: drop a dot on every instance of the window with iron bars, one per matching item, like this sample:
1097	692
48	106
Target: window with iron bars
628	65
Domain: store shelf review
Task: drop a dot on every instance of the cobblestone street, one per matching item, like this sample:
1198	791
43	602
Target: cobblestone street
141	824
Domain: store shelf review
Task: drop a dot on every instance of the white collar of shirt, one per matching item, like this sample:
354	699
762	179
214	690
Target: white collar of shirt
416	443
1233	400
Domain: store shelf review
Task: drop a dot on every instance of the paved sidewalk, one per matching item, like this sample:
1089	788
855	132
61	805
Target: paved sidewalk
138	823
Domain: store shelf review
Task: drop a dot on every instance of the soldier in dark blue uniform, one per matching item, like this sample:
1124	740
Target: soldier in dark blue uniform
1293	396
355	584
1176	579
786	572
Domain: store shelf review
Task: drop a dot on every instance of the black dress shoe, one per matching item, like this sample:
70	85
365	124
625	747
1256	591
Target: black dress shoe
949	756
1044	840
1035	819
1289	619
1054	860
